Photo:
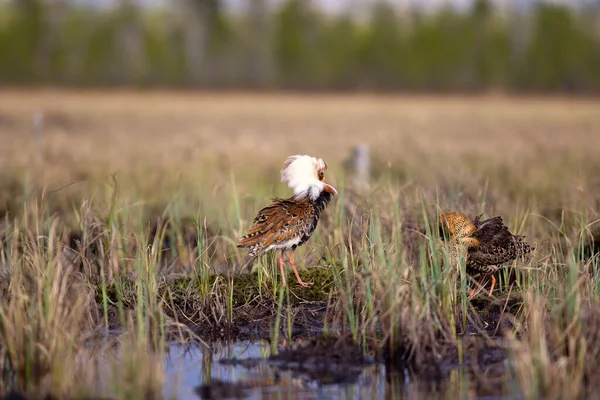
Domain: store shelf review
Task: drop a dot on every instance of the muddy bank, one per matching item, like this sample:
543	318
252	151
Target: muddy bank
235	308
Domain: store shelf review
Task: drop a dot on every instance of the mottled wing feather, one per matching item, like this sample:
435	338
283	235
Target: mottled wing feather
487	257
277	223
497	246
491	231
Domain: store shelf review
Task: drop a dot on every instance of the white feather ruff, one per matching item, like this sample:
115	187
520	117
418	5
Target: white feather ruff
300	173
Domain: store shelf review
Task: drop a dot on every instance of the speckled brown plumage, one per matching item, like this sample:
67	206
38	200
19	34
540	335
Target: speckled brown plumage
486	246
497	246
285	223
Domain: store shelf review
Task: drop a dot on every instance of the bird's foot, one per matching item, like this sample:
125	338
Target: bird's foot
305	284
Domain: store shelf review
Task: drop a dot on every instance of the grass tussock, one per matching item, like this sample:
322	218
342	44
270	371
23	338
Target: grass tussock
108	224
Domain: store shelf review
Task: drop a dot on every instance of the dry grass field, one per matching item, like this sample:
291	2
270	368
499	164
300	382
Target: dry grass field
122	209
193	144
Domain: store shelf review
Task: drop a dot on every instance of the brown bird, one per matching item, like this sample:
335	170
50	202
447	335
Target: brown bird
486	246
286	224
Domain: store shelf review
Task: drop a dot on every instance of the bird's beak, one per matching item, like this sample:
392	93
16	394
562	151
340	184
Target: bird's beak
329	189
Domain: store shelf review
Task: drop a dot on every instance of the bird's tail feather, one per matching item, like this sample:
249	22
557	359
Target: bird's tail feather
524	249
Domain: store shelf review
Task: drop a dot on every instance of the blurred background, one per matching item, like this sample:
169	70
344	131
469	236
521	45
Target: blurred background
413	45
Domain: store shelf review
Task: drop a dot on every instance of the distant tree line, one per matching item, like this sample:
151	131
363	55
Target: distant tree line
197	43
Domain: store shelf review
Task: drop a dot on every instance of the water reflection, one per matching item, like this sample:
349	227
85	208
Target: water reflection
189	366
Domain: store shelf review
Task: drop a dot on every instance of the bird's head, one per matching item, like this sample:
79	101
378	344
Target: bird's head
455	225
306	176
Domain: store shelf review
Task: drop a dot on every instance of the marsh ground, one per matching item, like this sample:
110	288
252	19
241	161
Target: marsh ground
122	210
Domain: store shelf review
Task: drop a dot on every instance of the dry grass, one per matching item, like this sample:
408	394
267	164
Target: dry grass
132	190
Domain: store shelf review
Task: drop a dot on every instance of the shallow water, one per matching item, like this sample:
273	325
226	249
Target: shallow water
188	367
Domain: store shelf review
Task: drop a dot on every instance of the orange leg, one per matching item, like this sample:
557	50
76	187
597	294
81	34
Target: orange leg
493	284
303	284
282	269
476	287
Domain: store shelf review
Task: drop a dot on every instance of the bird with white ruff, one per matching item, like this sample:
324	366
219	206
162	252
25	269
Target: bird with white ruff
286	224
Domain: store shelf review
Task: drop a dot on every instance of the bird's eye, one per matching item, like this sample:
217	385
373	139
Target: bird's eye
321	175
